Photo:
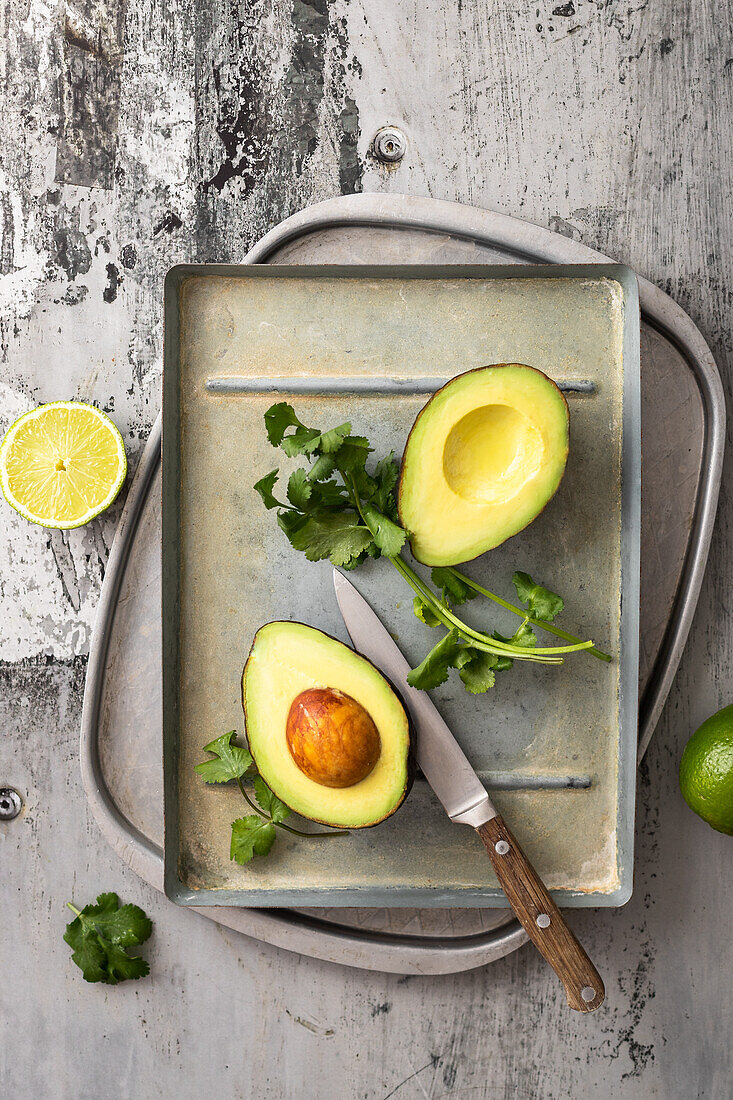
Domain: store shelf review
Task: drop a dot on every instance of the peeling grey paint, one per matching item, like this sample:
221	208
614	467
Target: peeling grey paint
90	87
72	251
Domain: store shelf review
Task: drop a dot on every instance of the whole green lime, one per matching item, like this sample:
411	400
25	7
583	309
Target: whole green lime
706	771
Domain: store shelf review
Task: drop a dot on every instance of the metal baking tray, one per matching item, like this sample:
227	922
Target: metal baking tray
368	344
121	728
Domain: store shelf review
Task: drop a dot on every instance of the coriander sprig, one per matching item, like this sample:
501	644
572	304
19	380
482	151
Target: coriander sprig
99	936
337	509
254	834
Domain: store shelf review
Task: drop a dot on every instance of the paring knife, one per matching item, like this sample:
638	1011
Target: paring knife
466	802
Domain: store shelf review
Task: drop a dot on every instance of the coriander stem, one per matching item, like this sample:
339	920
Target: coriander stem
256	808
277	824
479	640
593	651
73	909
298	832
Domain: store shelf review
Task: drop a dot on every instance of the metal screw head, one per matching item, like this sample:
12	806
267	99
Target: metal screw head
10	803
501	847
390	145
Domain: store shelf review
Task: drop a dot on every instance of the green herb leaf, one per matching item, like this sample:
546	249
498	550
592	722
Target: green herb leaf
351	463
523	636
265	486
269	801
251	836
232	761
322	468
340	538
540	602
424	613
476	669
99	936
328	494
330	442
434	669
453	590
125	925
388	536
300	489
386	475
278	419
303	441
306	441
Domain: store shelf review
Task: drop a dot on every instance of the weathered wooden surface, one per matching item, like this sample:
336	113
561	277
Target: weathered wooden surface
138	134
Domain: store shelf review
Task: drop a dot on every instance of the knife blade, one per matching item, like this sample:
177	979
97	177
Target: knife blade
466	801
441	759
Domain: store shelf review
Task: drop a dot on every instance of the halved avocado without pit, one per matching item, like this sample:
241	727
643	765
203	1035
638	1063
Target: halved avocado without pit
483	458
328	733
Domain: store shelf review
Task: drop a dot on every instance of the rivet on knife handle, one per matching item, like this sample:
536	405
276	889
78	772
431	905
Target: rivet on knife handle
541	918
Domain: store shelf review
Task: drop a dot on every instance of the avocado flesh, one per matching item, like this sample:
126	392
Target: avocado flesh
289	658
484	457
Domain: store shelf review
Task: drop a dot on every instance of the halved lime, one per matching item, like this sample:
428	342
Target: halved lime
62	464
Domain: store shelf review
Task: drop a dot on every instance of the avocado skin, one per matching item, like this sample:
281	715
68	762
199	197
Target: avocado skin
411	753
474	370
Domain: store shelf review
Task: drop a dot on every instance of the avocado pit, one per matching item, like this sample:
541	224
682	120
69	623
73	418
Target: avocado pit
331	737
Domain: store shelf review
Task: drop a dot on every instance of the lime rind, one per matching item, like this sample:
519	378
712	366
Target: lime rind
52	521
706	771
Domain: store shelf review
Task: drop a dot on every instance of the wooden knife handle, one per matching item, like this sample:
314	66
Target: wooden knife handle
541	918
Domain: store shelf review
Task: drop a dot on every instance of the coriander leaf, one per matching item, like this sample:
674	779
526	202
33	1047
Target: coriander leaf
251	836
278	419
386	475
523	636
424	613
340	538
303	441
125	925
329	494
387	535
265	486
299	489
291	521
98	936
322	468
453	589
365	484
87	952
351	462
540	602
269	801
233	762
121	967
434	669
331	441
476	669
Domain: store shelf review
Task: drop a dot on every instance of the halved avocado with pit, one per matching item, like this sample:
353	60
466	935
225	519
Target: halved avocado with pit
483	458
327	732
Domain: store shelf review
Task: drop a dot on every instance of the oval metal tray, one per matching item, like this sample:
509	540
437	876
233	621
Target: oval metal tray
683	419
